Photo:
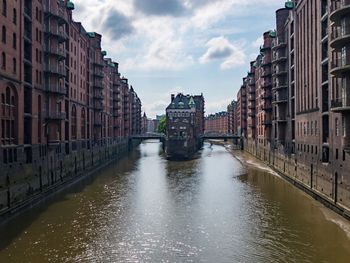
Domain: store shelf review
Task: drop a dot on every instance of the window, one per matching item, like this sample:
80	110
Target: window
336	127
14	16
14	40
74	123
83	123
14	63
4	7
343	127
3	36
3	60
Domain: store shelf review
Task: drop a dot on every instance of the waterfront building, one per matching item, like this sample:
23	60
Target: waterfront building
63	102
301	102
217	123
184	125
232	120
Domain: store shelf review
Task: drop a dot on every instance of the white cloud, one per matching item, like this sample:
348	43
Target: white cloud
258	42
220	48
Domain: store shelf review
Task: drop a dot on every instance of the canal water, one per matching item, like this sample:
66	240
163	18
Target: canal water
215	208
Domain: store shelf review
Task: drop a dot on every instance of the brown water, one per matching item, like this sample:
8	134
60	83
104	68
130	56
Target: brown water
148	209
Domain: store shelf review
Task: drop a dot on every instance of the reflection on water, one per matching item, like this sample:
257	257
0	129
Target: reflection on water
148	209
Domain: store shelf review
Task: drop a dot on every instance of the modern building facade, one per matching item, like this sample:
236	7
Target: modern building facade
301	122
63	102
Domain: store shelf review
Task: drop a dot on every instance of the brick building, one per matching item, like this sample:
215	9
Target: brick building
184	125
302	120
217	123
232	120
61	98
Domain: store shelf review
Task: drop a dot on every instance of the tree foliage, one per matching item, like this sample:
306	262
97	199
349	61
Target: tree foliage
162	125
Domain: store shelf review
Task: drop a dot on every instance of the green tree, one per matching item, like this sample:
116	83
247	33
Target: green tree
162	125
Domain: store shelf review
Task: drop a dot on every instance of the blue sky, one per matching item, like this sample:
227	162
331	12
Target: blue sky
190	46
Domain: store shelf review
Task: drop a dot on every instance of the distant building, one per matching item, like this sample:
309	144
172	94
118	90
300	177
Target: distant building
231	117
217	123
185	125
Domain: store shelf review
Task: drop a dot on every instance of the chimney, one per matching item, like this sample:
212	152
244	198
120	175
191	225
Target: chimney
172	97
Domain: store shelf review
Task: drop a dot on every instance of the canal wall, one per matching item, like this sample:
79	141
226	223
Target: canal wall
23	185
308	174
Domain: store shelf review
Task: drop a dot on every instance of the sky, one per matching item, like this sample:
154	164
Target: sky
189	46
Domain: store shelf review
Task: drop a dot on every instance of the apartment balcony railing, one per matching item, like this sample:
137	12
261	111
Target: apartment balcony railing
266	107
340	67
60	34
279	58
340	36
279	85
55	115
98	74
339	9
56	51
60	14
340	105
266	84
98	64
98	95
280	71
98	84
55	70
266	96
55	89
267	123
98	106
280	98
278	43
266	72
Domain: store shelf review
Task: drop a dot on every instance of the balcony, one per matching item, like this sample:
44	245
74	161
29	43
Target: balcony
98	74
98	64
98	85
55	89
339	9
55	116
280	71
56	51
279	58
265	62
340	37
280	98
281	119
98	106
278	43
55	70
267	123
278	86
340	106
59	13
98	95
340	67
266	107
60	34
266	84
266	73
266	96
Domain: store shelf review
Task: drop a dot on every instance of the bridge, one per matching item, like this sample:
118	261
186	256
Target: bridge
220	136
149	136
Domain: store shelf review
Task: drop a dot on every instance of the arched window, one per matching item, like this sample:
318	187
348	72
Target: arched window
3	35
74	122
4	7
83	121
14	16
3	60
